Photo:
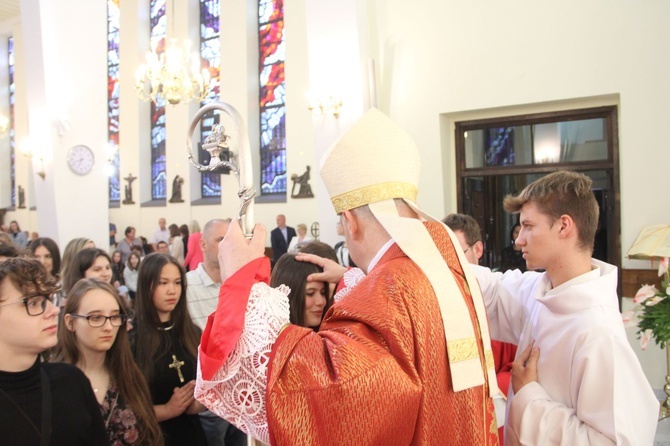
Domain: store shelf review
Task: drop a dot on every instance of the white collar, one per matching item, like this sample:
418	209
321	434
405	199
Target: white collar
380	254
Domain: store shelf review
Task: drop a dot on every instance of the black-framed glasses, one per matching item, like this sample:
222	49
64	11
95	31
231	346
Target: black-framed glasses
35	305
98	320
467	249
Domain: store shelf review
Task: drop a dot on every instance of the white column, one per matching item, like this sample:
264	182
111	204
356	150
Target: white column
65	77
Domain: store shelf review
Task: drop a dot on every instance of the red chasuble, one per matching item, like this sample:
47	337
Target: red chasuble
377	373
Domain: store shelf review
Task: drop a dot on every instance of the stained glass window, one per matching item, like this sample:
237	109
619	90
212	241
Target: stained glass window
113	16
158	180
12	147
210	183
272	53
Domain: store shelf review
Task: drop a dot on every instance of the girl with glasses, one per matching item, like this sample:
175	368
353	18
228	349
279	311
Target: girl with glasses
93	337
42	404
166	347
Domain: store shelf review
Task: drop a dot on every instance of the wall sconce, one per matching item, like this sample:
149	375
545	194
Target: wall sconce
330	105
32	153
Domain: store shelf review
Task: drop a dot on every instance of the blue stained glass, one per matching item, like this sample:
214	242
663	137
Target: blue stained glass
273	151
210	183
113	20
12	147
157	20
272	53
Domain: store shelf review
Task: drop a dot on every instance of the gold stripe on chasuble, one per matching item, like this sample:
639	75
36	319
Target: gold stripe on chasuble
462	349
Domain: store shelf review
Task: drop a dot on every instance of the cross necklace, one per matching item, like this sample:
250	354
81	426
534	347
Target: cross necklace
177	364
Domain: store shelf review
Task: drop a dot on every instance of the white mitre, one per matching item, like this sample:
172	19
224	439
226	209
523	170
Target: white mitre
374	162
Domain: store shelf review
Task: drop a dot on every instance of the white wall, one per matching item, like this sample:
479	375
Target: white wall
451	58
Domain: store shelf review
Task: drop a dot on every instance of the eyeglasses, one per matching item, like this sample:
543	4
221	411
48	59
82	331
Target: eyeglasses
467	249
98	320
35	305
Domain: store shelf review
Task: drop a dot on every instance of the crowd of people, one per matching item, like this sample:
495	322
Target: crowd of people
172	342
113	329
132	328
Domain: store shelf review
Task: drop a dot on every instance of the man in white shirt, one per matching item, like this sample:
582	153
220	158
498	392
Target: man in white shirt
160	234
202	295
576	379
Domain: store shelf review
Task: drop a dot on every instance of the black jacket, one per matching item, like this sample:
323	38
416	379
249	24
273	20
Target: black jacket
279	244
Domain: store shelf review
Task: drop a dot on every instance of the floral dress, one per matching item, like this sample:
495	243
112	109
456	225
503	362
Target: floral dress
120	420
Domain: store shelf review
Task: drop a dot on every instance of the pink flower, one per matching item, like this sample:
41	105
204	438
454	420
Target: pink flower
131	435
645	293
663	266
646	337
128	418
630	318
653	301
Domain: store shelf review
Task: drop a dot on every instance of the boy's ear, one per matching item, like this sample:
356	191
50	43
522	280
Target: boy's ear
567	225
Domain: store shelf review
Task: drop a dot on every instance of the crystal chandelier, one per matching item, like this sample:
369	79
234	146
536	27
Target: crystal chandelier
173	75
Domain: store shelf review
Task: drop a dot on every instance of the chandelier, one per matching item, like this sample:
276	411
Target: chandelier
173	75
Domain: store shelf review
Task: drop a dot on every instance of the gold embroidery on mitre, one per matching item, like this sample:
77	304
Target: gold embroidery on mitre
462	349
490	362
373	194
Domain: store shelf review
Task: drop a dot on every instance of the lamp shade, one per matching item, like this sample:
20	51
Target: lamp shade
653	241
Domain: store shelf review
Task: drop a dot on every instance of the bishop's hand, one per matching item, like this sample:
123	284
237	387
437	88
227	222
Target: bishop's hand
235	250
332	271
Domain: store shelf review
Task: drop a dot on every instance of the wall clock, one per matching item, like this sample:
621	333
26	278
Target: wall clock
80	158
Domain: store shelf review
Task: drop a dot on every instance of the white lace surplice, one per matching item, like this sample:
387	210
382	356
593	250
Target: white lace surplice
237	391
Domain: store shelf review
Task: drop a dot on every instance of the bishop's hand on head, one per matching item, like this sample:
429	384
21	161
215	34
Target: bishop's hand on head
235	250
332	271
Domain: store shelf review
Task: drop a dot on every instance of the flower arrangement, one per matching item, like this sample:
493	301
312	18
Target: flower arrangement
653	314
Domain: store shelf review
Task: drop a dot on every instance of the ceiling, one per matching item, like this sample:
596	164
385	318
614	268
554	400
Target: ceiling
8	9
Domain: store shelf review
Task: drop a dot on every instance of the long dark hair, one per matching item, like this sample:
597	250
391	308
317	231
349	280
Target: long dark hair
293	274
147	338
139	260
82	261
52	247
119	361
71	249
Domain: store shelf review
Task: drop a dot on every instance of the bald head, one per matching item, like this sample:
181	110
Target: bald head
212	234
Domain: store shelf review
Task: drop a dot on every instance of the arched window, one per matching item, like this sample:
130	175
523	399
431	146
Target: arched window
158	181
113	20
272	54
210	183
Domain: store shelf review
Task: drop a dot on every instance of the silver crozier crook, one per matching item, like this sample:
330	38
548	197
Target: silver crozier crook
217	142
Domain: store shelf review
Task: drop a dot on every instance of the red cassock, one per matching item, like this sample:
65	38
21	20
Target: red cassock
376	373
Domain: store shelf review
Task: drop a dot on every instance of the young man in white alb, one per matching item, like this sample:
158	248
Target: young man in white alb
576	379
